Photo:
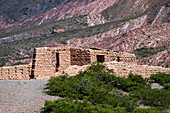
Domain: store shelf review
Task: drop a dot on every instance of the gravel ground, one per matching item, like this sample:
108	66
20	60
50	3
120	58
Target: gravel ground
23	96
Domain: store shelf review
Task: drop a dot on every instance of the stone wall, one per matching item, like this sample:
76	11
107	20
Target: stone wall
123	69
80	57
20	72
113	56
127	58
93	54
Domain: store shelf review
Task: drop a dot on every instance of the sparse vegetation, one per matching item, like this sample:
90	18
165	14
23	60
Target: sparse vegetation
123	9
48	27
147	52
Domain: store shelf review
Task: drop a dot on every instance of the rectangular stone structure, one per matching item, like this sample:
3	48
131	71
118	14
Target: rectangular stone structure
52	61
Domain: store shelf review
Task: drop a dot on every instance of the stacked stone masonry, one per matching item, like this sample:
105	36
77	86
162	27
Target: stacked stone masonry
52	61
80	57
21	72
123	69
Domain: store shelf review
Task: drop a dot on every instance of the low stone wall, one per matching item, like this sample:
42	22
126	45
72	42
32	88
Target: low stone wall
23	72
75	69
122	69
20	72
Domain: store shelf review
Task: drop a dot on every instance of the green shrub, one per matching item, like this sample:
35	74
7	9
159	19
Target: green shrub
63	106
70	106
75	87
137	79
97	91
150	110
167	86
100	68
153	97
127	84
91	86
161	78
116	99
105	77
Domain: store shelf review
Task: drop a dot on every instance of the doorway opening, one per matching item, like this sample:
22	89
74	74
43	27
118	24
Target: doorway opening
118	59
33	65
56	60
100	58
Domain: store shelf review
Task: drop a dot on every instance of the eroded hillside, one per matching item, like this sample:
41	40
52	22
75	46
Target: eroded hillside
129	9
33	13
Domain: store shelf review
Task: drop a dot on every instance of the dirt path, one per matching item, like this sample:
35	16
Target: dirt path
23	96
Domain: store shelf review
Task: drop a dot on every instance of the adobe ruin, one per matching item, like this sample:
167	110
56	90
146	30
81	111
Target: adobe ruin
52	61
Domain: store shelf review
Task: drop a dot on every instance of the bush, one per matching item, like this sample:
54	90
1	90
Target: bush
105	77
137	79
75	87
100	68
150	110
167	86
161	78
113	98
127	84
153	97
97	88
70	106
97	91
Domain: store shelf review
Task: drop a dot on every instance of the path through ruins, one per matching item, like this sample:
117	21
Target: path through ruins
23	96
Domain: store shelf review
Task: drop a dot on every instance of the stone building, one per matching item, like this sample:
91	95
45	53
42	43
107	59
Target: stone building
52	61
49	61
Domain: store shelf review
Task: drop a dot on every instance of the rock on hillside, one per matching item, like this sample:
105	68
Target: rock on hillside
36	13
100	39
6	22
71	9
128	9
160	59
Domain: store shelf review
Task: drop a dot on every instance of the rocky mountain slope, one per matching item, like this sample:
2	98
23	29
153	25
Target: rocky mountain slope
137	26
33	13
16	28
124	9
